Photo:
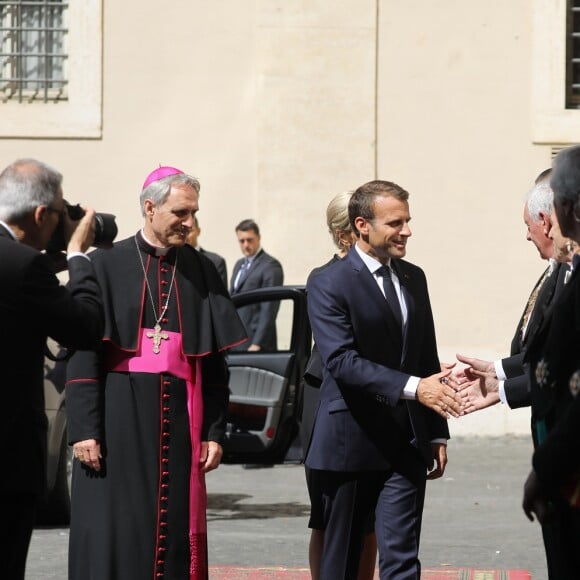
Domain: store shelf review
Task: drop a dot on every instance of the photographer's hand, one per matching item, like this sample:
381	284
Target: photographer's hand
81	234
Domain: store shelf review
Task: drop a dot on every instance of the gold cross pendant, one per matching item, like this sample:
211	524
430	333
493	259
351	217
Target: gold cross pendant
157	335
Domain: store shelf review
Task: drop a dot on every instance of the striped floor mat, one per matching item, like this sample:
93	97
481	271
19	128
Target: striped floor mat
275	573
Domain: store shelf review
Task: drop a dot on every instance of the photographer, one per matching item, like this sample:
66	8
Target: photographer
33	305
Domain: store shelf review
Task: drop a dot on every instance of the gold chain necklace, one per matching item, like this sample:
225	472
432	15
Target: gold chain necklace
157	335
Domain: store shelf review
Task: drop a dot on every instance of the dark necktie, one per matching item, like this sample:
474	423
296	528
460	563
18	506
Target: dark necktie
391	294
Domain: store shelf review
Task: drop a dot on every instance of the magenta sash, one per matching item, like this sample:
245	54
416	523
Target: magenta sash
171	360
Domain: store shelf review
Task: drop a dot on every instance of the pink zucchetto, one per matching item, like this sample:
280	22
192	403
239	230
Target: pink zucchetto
160	173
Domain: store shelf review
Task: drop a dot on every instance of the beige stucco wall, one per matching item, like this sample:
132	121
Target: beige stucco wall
278	105
454	128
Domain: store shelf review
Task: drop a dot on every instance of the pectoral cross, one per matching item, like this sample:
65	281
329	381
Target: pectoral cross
157	335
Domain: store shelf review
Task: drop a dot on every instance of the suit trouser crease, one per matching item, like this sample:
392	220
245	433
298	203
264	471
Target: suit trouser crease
349	500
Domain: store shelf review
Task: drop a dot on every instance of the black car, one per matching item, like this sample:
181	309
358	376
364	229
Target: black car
56	509
265	402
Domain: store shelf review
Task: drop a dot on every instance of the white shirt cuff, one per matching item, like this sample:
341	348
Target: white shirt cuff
499	372
74	254
501	391
410	390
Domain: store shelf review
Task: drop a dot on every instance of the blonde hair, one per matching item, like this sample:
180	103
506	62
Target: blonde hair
337	218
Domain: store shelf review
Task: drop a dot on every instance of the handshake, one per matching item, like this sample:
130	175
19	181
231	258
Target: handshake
456	392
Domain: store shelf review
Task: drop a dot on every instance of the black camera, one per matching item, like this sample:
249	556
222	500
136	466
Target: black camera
105	229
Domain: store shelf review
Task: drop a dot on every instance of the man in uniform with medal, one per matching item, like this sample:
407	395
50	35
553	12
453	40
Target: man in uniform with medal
146	410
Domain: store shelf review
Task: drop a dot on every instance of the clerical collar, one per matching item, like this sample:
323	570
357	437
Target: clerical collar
150	248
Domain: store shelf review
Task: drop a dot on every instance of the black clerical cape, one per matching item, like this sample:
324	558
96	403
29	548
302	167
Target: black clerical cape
132	520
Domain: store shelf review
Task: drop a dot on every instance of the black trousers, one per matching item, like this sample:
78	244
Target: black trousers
18	517
561	534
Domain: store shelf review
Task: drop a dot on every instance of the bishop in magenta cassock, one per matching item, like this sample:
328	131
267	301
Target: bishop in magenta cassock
147	409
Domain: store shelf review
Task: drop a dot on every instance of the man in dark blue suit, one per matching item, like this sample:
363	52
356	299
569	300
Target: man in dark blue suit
380	429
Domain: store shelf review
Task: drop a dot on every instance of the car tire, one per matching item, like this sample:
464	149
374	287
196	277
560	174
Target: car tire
56	510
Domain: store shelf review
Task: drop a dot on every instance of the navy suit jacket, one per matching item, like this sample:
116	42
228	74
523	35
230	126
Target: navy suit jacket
362	423
260	319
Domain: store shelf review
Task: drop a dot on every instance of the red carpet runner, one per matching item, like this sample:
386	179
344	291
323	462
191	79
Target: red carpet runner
275	573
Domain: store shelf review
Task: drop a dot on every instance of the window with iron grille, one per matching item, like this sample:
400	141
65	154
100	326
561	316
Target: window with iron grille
33	53
573	55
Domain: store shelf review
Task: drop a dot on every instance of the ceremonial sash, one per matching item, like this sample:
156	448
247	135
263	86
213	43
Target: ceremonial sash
171	360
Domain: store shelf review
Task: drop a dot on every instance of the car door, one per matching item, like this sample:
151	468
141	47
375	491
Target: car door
55	506
266	387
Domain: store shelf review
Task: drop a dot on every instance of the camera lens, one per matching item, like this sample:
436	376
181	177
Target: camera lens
105	229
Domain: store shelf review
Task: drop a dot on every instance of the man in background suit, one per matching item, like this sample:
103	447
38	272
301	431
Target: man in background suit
219	262
33	305
256	269
381	423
